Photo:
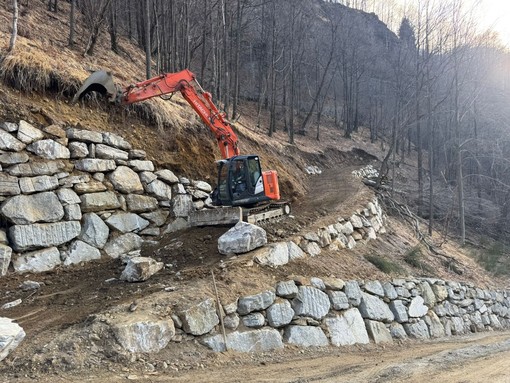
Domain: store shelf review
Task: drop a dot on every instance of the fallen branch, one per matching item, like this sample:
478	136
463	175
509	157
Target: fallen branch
408	216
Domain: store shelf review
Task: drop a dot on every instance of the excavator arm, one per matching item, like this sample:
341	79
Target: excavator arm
167	84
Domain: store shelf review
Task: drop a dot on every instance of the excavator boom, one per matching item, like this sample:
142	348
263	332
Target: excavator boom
167	84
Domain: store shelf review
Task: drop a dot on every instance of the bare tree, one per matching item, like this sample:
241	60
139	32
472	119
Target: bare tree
95	14
72	22
14	33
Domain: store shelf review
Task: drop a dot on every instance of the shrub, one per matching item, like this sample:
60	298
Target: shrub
495	259
383	264
414	258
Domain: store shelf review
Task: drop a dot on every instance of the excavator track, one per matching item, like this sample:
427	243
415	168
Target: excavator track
266	212
232	215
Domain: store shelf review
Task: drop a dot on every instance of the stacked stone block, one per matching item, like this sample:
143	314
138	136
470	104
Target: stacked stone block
315	312
70	195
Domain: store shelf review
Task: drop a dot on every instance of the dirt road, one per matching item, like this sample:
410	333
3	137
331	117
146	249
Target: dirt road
482	357
478	358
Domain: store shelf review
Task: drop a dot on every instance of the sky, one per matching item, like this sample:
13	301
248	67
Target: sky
495	14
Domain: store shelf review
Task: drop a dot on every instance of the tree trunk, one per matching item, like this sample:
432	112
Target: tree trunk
72	23
96	28
148	66
112	29
14	34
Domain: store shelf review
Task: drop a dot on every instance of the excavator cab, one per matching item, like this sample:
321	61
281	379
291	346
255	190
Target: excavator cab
241	182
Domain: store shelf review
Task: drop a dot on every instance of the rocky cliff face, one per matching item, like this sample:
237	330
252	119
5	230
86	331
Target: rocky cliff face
73	195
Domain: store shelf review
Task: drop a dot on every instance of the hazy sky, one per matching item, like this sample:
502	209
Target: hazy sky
496	15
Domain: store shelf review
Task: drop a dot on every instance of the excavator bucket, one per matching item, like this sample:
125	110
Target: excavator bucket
101	82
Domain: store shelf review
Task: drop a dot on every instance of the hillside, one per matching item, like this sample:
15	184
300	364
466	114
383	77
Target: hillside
65	320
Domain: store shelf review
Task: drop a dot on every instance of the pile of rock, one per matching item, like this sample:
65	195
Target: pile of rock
69	195
367	172
329	311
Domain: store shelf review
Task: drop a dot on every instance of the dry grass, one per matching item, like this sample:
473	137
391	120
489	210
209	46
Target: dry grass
47	65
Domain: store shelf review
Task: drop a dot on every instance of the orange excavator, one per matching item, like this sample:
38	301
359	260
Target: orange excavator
241	181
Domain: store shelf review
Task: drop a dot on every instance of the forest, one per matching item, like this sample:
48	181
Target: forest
436	89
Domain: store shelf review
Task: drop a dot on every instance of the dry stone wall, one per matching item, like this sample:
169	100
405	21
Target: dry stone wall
73	195
321	312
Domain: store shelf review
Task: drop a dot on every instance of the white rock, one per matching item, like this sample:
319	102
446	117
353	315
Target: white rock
417	308
37	261
123	244
28	134
243	237
5	259
11	335
49	149
305	336
126	180
127	222
139	269
80	251
139	334
347	329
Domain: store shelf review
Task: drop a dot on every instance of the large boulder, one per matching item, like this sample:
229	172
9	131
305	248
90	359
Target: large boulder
305	336
399	311
374	308
39	168
199	319
347	329
40	235
141	203
28	209
84	135
182	205
159	189
116	141
11	335
37	261
168	176
418	330
108	153
49	149
311	302
123	244
243	237
125	180
139	269
30	185
80	251
99	201
257	302
8	142
263	340
417	307
9	185
138	334
273	255
94	165
28	133
94	231
127	222
279	314
378	332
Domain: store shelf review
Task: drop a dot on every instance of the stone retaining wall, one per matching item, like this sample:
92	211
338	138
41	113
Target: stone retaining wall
321	312
345	233
70	195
